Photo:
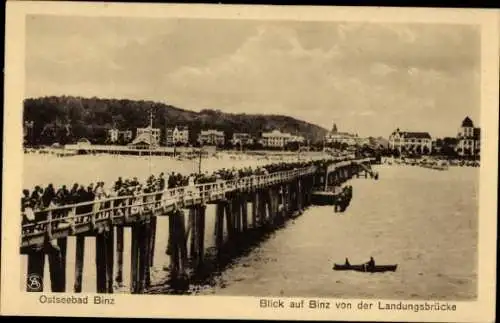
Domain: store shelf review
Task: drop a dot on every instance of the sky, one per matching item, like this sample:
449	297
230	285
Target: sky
369	79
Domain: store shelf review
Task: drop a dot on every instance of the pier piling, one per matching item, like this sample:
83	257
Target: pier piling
200	233
192	228
36	264
152	240
255	203
134	259
62	243
244	212
100	262
237	213
55	268
219	227
109	237
119	254
229	221
143	262
79	256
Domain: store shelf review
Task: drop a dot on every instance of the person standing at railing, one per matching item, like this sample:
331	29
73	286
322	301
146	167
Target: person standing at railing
25	199
137	200
134	181
73	194
62	195
160	188
36	197
75	197
109	205
171	180
47	201
149	199
190	185
26	209
122	192
89	196
80	197
99	189
38	204
118	184
101	195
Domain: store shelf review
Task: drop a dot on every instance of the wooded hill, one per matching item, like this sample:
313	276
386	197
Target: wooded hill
66	119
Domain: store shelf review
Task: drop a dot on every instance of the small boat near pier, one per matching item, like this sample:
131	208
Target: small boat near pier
365	268
434	164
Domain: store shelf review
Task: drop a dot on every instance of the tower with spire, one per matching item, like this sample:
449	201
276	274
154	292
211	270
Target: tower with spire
469	139
334	136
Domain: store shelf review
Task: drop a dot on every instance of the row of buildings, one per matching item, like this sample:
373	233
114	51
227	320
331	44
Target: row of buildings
180	136
466	143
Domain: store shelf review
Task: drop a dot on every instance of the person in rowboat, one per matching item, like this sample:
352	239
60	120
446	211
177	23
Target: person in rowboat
370	264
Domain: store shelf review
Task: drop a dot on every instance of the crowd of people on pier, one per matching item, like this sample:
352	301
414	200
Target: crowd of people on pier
39	199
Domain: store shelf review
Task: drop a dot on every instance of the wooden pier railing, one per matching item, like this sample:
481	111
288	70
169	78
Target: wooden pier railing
65	220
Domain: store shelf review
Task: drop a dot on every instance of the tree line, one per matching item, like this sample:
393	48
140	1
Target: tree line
66	119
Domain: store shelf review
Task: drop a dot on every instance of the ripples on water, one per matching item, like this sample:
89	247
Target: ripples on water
423	220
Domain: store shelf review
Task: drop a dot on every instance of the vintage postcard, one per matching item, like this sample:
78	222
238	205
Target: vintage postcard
250	162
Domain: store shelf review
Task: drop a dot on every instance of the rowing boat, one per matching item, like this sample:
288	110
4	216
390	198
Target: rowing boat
366	268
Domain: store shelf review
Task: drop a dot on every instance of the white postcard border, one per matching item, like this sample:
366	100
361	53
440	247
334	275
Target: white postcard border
16	302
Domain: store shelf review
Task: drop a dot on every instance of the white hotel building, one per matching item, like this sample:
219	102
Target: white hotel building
211	137
334	136
177	135
414	142
279	139
114	135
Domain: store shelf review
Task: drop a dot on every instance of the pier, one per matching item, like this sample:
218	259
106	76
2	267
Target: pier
242	207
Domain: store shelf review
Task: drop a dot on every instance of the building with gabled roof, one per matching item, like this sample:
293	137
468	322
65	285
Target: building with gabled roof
411	142
152	133
144	141
177	135
335	136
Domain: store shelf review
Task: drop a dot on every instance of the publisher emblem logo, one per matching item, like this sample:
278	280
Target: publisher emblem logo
34	283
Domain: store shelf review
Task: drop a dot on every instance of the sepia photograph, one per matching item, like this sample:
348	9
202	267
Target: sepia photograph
297	162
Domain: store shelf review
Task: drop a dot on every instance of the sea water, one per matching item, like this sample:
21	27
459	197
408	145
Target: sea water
424	220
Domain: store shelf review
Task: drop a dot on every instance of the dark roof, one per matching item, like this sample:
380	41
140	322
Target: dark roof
477	133
180	128
446	142
450	140
467	122
419	135
142	139
83	141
